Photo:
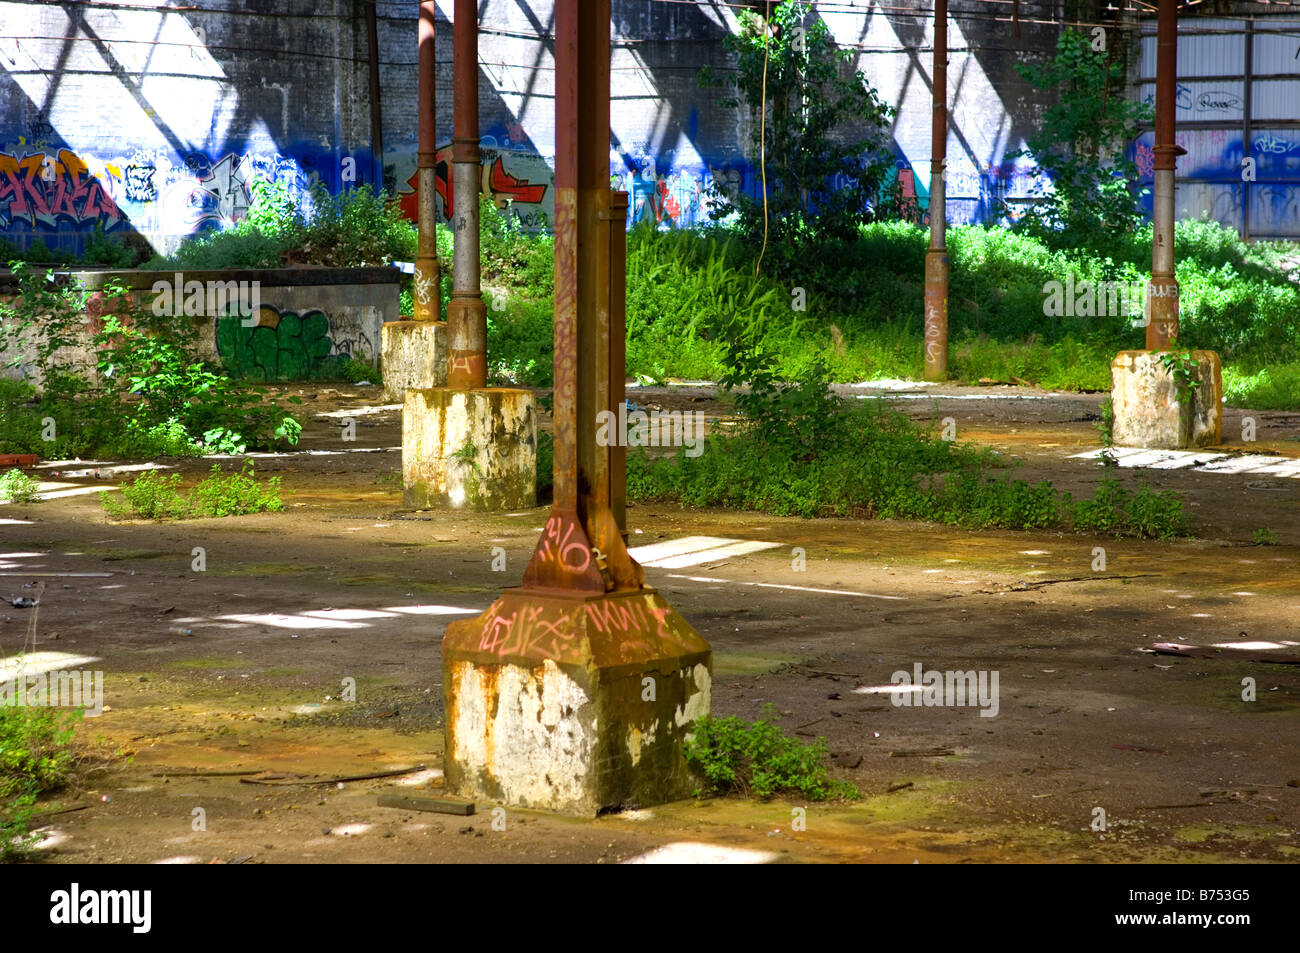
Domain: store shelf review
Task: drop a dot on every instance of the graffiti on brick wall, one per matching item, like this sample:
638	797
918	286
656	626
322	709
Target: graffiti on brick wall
156	192
521	180
279	345
54	189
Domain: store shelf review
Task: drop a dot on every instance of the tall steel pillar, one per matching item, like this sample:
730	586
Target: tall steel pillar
428	305
575	691
1162	292
1153	406
466	315
936	257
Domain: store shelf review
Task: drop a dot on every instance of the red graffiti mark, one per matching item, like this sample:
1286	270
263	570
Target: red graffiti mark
498	184
39	186
502	183
526	632
568	554
668	205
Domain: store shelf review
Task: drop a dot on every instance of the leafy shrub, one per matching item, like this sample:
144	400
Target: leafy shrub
1268	388
1083	174
150	393
35	756
18	487
759	758
153	495
351	228
873	462
824	136
235	494
157	496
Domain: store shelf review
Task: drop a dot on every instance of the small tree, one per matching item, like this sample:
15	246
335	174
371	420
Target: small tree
1083	174
819	124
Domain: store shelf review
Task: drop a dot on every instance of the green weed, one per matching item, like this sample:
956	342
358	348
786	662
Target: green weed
154	495
18	487
35	757
758	758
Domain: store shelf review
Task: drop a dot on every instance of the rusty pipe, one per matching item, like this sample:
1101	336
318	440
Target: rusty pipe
428	304
588	310
466	314
936	257
1162	292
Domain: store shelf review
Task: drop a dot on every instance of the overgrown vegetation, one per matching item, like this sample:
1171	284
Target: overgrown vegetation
1084	192
862	315
803	452
758	758
147	393
351	228
819	131
17	487
35	757
155	495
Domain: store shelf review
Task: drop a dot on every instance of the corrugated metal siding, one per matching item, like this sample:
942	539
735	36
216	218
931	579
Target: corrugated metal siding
1233	106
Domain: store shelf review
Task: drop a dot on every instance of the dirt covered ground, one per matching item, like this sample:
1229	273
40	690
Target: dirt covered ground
223	686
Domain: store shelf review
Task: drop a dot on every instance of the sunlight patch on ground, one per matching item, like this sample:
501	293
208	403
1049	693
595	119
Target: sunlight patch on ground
693	852
1207	461
38	663
693	550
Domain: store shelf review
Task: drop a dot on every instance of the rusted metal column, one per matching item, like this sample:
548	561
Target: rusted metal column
588	305
428	305
936	257
466	314
1162	292
583	637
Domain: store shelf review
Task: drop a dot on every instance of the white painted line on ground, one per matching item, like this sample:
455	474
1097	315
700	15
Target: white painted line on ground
776	585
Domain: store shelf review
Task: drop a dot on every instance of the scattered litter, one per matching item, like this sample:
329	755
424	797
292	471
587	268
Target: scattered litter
1139	748
23	602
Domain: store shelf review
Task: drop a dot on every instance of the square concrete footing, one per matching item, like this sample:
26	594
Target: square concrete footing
414	354
473	449
1148	413
573	703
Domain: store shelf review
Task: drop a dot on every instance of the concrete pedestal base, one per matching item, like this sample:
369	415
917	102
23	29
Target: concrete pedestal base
414	355
1147	410
573	703
472	449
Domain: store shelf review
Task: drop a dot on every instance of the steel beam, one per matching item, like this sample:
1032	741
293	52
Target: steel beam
936	257
589	319
466	314
428	304
1162	292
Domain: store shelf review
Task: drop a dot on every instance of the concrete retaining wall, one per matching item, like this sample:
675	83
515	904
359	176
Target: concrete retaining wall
308	321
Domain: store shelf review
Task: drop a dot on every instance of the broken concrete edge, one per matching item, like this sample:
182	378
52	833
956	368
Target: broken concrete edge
473	449
1146	406
578	704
